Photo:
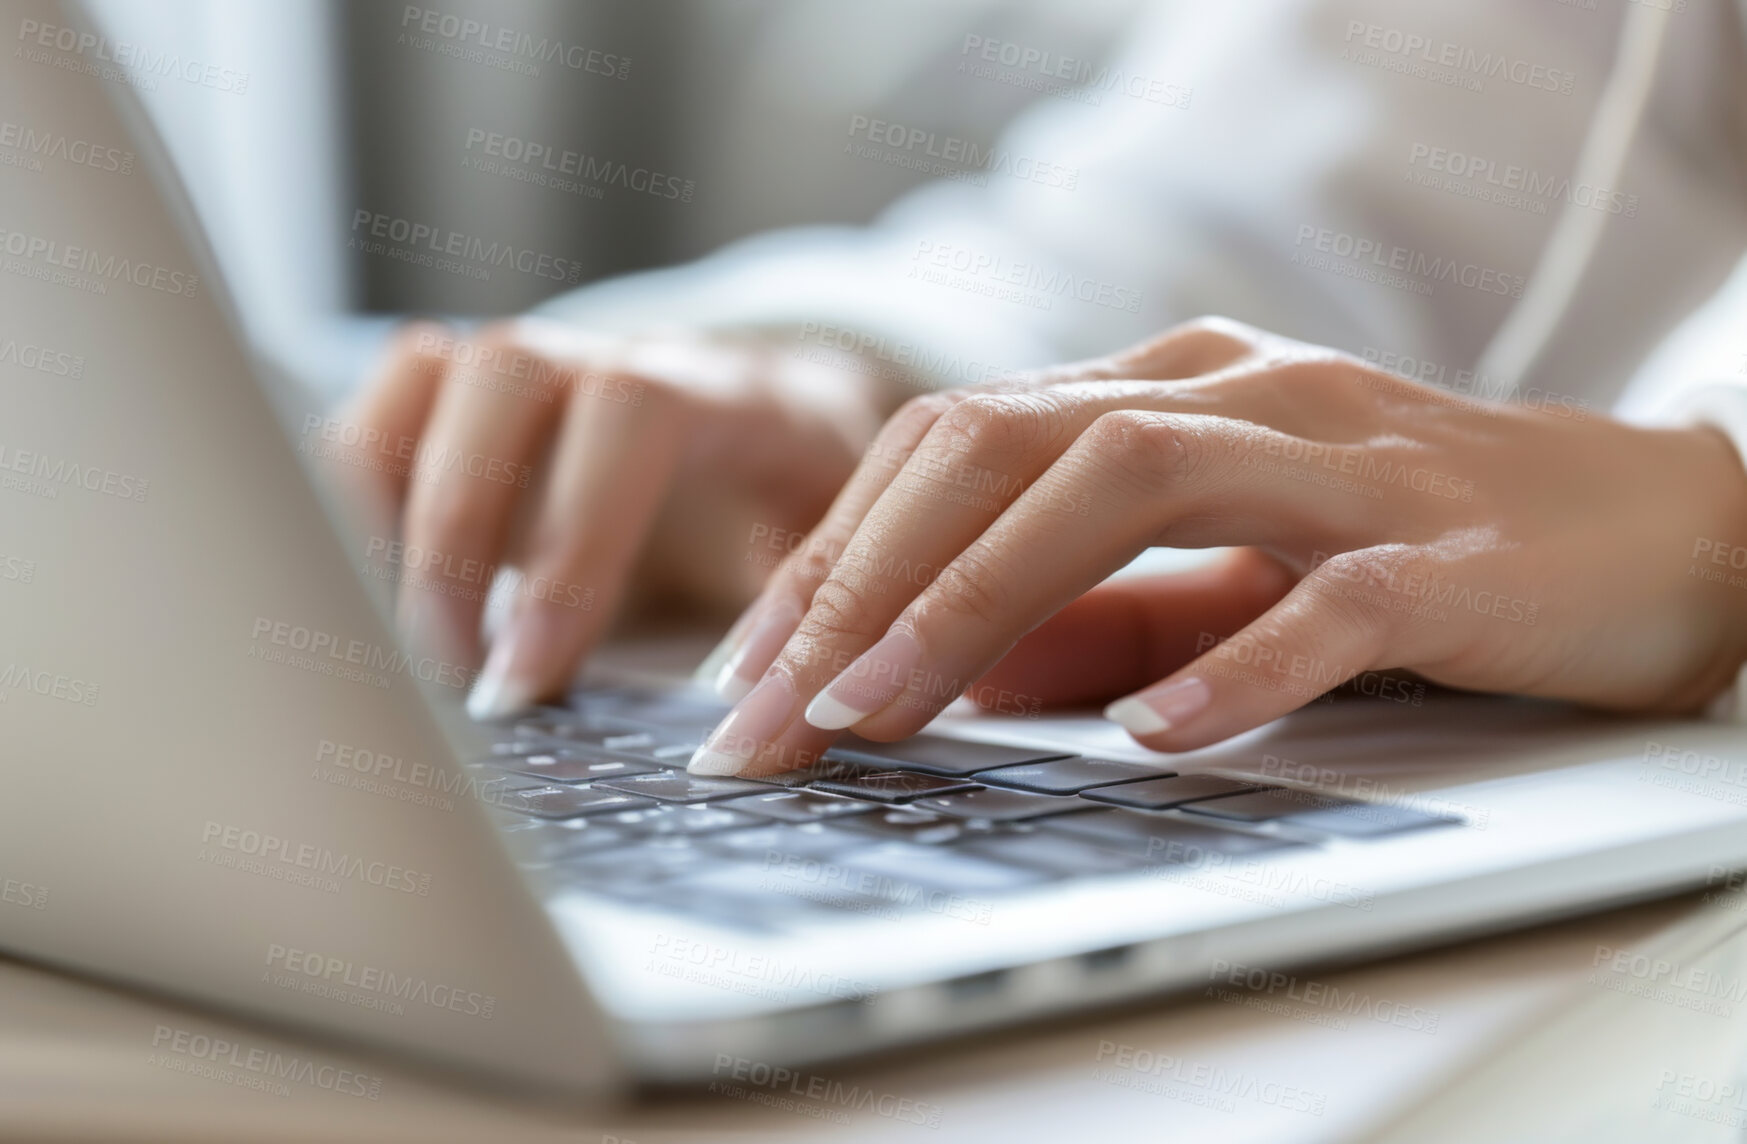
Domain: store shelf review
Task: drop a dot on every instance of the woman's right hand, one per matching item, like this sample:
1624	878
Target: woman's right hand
589	464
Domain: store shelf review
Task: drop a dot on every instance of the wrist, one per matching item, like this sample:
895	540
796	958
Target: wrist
1716	559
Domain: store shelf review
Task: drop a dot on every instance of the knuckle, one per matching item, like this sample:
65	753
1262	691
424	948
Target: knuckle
814	561
419	348
1377	566
1218	327
1217	323
1312	364
1151	448
504	350
972	587
840	609
500	332
1354	566
1193	346
917	416
1325	373
500	338
1364	591
990	422
1304	384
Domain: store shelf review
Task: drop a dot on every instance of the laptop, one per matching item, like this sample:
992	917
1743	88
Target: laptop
228	783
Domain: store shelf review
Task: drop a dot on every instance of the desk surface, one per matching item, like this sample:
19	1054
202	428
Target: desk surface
1491	1034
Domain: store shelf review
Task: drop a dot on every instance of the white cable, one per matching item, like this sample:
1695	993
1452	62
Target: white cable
1529	327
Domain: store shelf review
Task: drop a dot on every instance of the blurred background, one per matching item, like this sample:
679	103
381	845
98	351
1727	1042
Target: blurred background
737	110
734	103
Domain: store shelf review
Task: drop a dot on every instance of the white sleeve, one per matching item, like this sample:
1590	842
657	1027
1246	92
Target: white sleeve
1722	404
1369	174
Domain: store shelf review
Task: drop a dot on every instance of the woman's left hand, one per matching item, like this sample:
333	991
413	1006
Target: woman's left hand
1544	551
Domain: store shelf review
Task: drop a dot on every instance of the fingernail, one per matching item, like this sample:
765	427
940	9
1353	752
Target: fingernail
1172	705
754	722
869	684
499	692
764	640
711	665
730	688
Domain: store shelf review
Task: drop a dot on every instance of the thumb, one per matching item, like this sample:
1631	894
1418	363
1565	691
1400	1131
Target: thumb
1125	634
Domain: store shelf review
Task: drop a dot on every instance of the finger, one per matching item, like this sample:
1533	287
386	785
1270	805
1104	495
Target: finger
1124	634
762	630
611	467
920	524
1199	347
1135	478
388	414
974	459
1208	350
1314	640
472	465
744	743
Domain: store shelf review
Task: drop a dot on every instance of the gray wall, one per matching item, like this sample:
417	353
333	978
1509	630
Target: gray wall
750	100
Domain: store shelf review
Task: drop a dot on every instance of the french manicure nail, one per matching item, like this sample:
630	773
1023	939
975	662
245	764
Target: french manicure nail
869	684
765	637
499	692
1161	709
711	665
708	762
755	721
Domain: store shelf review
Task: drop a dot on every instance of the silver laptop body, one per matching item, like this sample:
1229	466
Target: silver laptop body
226	781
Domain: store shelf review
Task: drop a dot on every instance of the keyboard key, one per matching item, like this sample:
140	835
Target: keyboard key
677	786
675	820
634	742
491	784
1369	819
573	727
558	841
1265	805
799	806
1071	776
823	770
772	845
609	738
551	801
1002	805
1159	794
936	755
1051	853
692	710
515	747
906	823
1159	839
569	768
675	754
889	786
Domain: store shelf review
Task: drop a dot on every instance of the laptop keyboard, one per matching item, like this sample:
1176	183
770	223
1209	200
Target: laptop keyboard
599	801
